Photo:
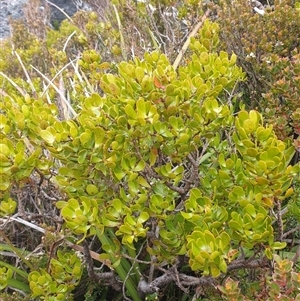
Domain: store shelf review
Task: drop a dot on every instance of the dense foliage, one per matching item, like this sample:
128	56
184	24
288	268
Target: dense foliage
126	176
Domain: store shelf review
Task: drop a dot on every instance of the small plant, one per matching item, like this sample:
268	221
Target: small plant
282	284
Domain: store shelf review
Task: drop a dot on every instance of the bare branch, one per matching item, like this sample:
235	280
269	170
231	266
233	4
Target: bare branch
187	42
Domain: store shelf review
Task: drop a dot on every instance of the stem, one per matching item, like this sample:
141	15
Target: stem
134	265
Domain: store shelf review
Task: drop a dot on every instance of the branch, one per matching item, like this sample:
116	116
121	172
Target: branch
296	256
89	261
248	264
279	219
290	232
187	42
111	279
171	276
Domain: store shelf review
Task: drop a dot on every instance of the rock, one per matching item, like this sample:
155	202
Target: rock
67	7
9	9
14	9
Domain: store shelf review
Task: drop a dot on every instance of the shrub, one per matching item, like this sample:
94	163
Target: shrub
158	173
267	48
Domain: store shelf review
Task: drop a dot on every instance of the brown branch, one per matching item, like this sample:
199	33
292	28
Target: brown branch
111	279
279	219
89	261
296	256
290	232
248	264
135	259
183	280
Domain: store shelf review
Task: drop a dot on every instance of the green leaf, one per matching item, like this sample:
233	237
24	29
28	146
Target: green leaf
141	180
139	73
140	166
215	272
82	156
252	152
47	136
144	216
141	108
4	149
119	173
249	126
251	210
91	189
278	245
85	138
130	112
262	181
4	183
3	121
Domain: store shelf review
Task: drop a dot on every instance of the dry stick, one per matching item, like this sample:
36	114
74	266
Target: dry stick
187	42
13	83
279	219
93	254
128	274
75	67
62	107
65	112
3	93
89	261
61	10
57	90
68	39
61	103
26	74
50	82
123	49
28	144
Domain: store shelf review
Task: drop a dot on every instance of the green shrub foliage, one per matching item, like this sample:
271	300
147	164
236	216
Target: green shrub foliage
157	174
267	47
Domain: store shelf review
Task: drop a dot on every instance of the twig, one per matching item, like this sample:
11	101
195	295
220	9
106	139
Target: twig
178	282
187	42
123	49
62	107
279	219
50	82
290	232
248	264
57	90
89	261
93	254
28	224
61	10
135	259
128	274
68	39
26	74
13	84
296	256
